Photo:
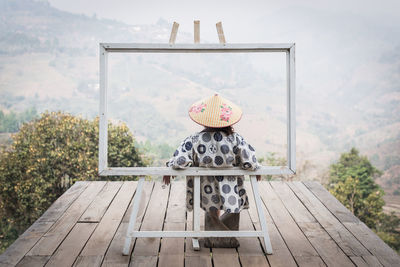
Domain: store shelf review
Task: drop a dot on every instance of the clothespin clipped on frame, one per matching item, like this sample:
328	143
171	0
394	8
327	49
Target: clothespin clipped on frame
174	32
220	32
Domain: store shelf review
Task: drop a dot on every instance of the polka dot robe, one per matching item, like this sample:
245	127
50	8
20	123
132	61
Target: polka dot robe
219	150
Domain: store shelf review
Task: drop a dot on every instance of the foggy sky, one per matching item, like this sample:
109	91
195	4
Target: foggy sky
242	20
343	48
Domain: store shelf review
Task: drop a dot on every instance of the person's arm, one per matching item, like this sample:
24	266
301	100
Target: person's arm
167	179
246	155
182	158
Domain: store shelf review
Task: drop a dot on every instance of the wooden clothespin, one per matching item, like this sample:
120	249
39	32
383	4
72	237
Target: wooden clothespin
197	31
174	31
220	32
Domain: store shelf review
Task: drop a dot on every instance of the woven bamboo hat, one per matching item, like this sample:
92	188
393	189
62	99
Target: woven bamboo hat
215	112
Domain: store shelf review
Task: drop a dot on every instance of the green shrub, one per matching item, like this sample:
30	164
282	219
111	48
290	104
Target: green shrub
352	183
48	155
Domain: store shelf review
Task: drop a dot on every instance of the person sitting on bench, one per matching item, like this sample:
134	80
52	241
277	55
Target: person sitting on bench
217	146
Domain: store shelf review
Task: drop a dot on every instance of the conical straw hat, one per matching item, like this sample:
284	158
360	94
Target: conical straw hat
215	112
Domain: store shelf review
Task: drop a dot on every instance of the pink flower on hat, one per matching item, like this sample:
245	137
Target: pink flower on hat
198	108
226	112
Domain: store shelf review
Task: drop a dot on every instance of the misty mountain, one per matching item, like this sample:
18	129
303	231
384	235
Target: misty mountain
348	92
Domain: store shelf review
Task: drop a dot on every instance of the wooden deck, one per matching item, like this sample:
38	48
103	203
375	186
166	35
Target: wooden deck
87	224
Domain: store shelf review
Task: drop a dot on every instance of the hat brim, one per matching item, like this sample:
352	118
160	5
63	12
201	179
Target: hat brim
215	112
217	127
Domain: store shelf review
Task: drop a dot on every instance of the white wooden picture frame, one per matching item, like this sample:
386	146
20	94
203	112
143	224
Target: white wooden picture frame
288	48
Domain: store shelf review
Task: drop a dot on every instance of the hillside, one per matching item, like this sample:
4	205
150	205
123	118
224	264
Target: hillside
49	60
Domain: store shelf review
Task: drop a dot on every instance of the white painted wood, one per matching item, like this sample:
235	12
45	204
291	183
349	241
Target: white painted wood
196	244
197	234
220	32
104	170
288	48
196	208
132	220
292	111
194	48
196	204
103	151
261	215
174	32
265	170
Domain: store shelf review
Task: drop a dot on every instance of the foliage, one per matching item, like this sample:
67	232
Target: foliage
368	209
48	155
352	183
353	165
272	159
10	123
157	153
386	230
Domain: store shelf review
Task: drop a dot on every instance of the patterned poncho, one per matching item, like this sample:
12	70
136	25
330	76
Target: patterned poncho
216	150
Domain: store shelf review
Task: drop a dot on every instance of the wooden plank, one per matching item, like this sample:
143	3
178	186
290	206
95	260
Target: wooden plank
385	254
192	48
309	261
88	261
328	250
294	238
114	255
366	261
173	249
63	202
144	261
230	256
146	193
347	242
52	239
16	251
225	257
220	32
340	211
197	31
372	261
358	261
174	31
292	203
281	254
250	250
100	204
153	220
102	236
196	258
193	171
176	211
69	249
32	261
369	239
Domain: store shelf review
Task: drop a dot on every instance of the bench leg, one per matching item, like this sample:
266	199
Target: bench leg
132	219
261	215
196	211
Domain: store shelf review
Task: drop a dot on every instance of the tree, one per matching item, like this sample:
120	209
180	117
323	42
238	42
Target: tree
367	209
387	230
353	165
10	123
352	183
49	154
